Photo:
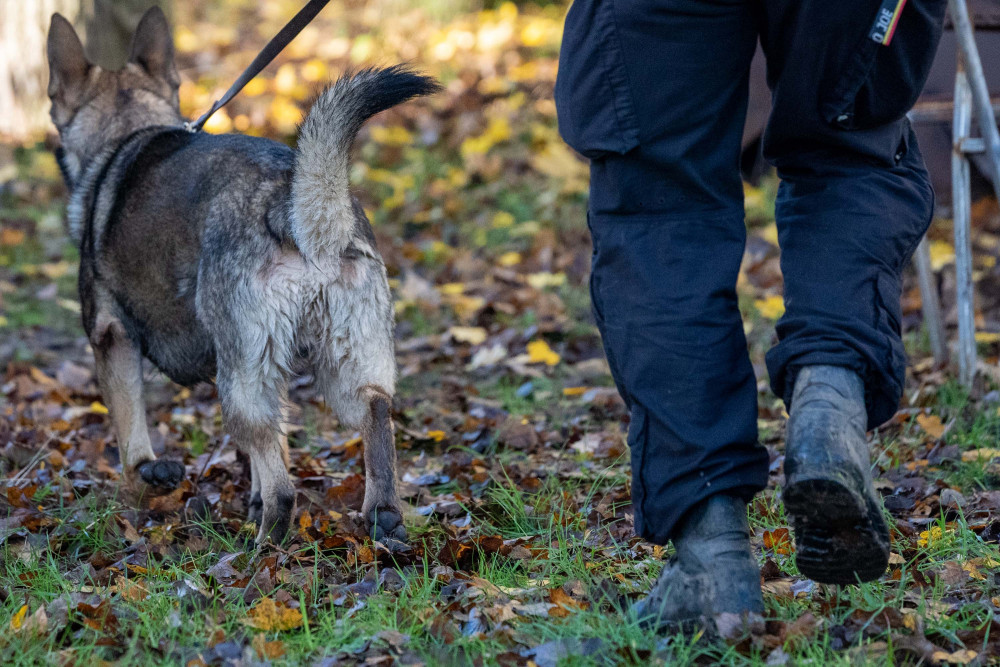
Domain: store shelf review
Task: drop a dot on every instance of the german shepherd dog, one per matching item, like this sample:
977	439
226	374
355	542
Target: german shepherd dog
227	257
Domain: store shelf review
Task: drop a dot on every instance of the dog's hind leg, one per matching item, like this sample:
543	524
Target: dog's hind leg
363	403
256	507
381	507
251	387
119	372
255	510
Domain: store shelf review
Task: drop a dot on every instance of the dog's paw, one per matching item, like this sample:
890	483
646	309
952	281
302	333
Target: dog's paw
276	516
255	512
386	523
161	473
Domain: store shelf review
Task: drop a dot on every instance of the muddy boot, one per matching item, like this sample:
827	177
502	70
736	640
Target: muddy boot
713	581
840	534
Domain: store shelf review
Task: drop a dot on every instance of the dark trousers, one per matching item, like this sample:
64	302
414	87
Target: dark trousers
655	93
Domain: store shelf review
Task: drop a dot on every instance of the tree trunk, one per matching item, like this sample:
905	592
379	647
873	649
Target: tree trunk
24	71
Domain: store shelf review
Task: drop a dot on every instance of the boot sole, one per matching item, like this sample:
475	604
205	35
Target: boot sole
840	536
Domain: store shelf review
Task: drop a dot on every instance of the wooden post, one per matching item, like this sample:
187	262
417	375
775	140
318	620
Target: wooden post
962	214
976	80
929	303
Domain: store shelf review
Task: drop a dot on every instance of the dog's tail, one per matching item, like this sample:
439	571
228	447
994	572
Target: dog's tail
322	214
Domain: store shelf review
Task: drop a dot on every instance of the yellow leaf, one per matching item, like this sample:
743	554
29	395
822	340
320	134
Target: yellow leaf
545	279
452	289
509	259
392	136
986	337
470	335
559	164
973	571
770	234
983	454
53	270
942	254
929	537
575	391
753	198
18	619
931	424
466	306
540	352
502	219
771	308
219	123
98	408
255	87
315	70
497	131
284	79
960	657
271	617
284	115
436	436
185	40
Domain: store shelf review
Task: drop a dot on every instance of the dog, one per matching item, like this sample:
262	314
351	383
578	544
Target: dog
228	258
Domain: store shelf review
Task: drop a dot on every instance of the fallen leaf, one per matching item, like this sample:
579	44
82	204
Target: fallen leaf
540	352
470	335
273	617
17	620
931	424
266	650
983	454
779	540
771	307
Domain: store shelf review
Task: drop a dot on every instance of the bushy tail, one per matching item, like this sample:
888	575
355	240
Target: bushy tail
322	216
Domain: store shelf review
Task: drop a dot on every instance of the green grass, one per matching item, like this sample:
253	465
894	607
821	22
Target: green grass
159	628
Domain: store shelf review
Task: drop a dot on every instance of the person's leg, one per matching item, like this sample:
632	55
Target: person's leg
853	203
655	94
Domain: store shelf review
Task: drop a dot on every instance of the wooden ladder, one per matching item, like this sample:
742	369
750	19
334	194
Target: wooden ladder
972	98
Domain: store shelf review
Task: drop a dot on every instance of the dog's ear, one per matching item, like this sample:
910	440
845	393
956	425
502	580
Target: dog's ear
153	47
68	65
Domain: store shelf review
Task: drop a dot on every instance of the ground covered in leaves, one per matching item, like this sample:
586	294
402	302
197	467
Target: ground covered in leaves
513	464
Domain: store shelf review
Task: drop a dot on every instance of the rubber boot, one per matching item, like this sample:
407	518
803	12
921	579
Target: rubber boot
840	534
713	581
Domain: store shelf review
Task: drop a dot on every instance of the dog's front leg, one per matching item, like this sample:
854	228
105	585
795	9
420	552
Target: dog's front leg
119	372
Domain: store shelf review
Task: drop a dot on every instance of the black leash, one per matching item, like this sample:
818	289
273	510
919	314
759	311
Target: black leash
264	58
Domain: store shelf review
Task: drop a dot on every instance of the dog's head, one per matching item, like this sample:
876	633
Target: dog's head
93	107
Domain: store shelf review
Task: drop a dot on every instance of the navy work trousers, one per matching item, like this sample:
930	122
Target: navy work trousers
655	93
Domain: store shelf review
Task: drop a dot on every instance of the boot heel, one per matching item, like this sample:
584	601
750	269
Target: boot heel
840	536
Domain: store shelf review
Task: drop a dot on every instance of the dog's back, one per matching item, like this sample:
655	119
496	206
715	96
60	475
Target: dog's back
175	191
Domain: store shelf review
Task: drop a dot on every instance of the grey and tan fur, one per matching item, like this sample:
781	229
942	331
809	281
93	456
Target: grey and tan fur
230	257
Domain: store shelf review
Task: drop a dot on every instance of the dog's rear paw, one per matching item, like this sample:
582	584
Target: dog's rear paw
161	473
276	515
255	512
386	523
